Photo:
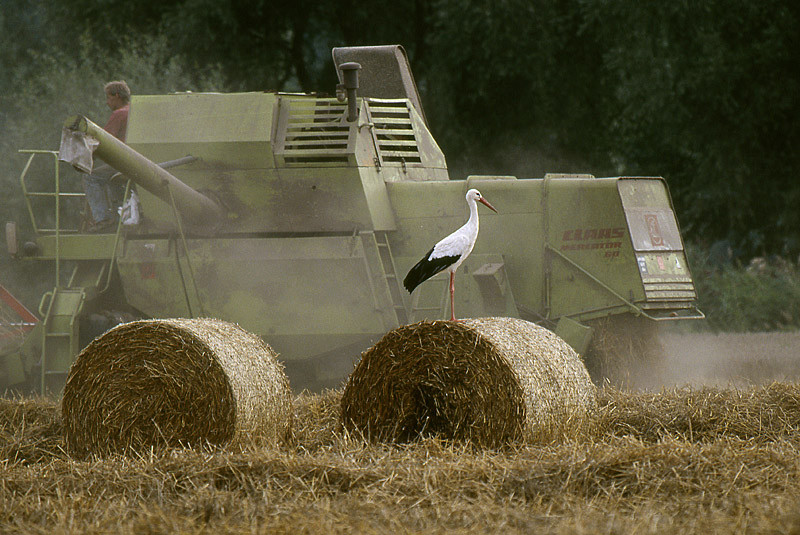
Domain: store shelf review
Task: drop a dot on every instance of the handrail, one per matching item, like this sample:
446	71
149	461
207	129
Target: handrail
56	194
25	189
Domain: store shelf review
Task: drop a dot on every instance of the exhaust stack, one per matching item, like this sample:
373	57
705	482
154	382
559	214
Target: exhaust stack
350	85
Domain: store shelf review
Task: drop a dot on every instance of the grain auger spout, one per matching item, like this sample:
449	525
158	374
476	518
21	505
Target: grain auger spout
195	207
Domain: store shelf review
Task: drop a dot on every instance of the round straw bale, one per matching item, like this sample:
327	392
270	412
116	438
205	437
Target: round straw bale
487	380
155	383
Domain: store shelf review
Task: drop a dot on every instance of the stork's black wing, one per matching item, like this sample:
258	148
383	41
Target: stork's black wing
427	268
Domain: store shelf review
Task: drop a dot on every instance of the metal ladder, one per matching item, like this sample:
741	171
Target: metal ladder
380	260
60	336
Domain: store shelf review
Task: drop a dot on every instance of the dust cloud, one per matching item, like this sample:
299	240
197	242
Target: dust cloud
728	359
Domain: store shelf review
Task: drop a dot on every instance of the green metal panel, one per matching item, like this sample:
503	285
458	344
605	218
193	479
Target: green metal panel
301	170
16	366
406	148
314	133
12	367
565	242
516	233
380	209
482	288
225	130
60	336
154	281
428	211
76	246
333	199
576	335
589	236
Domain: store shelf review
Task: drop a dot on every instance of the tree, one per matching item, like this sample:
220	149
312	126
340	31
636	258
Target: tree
706	94
515	87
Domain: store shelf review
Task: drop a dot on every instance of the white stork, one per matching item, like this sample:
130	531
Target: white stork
450	252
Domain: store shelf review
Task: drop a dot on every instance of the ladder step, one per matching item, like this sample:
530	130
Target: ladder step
58	334
386	263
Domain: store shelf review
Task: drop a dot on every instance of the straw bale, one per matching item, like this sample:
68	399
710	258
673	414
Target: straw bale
486	380
155	383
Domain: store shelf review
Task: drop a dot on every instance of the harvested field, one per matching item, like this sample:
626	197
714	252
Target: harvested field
697	459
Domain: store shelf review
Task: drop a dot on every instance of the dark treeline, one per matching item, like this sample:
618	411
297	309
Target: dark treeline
702	93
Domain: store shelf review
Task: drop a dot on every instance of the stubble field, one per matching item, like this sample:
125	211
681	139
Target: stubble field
715	448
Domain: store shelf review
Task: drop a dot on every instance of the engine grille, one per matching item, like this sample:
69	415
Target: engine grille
394	131
313	133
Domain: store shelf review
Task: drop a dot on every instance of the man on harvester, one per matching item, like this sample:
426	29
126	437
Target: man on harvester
101	193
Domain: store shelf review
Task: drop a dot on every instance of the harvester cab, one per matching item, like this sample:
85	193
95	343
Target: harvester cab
297	216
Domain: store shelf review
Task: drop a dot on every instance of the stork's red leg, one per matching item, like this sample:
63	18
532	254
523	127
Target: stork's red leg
452	297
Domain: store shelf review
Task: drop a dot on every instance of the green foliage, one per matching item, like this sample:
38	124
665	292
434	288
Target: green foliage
764	296
705	94
513	88
259	44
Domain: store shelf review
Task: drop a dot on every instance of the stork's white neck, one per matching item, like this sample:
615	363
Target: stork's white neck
472	223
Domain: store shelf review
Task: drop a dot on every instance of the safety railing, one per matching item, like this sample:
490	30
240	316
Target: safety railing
59	200
56	195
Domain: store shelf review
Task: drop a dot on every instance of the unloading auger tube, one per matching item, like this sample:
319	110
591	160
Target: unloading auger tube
193	205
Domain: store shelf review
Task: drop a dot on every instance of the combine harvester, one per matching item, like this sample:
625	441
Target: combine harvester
296	216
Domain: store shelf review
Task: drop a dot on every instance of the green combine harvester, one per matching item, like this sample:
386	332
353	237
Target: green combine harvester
297	216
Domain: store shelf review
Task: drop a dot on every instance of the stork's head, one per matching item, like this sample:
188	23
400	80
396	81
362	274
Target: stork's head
475	195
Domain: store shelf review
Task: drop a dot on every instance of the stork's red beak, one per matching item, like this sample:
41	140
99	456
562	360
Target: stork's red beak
484	201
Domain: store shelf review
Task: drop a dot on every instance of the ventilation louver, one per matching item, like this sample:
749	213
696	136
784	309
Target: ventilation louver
394	131
314	134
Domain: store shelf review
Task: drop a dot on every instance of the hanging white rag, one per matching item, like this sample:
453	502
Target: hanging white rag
129	212
77	148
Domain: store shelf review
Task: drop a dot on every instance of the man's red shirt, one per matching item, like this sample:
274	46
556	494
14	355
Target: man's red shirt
117	124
